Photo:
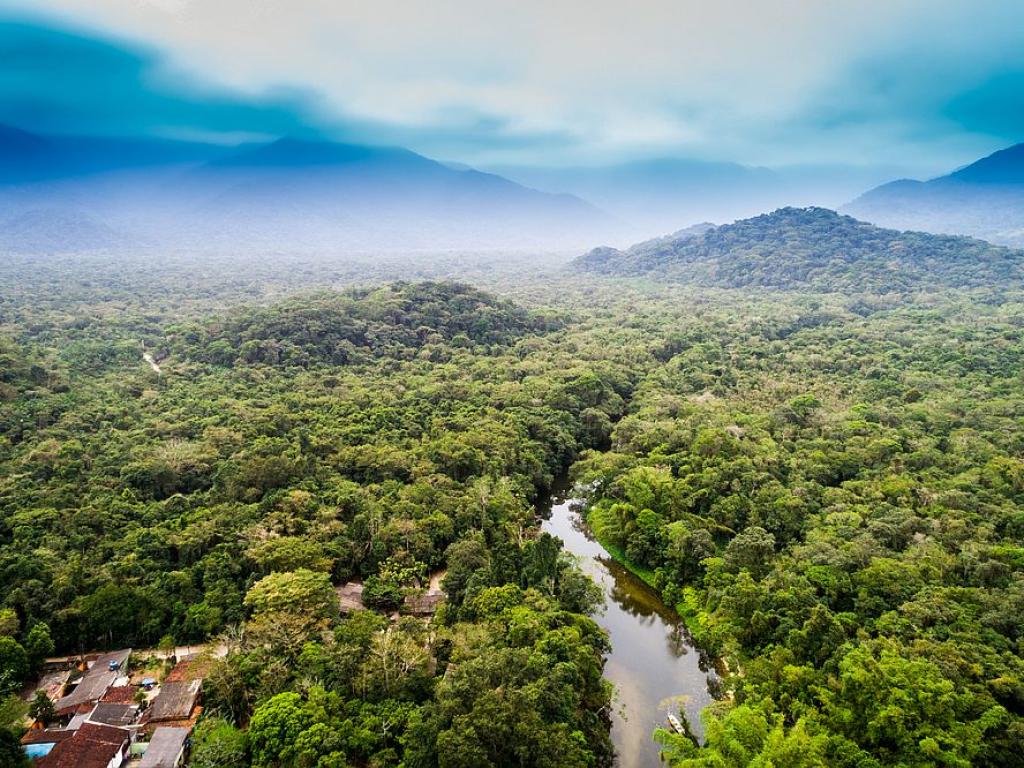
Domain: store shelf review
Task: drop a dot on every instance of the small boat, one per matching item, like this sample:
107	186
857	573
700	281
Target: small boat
677	726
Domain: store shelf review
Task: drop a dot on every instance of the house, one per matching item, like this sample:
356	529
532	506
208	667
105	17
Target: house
113	713
120	694
175	701
424	604
38	743
52	684
350	597
91	746
166	749
99	677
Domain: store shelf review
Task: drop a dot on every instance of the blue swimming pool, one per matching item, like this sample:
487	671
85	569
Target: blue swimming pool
38	750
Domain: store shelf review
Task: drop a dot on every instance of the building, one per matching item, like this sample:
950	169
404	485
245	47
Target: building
39	743
350	597
424	604
166	749
100	677
113	713
53	684
91	746
120	694
176	701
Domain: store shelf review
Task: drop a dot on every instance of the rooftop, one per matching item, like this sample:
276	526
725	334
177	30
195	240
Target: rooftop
164	748
350	596
92	746
121	694
48	736
113	713
175	701
96	681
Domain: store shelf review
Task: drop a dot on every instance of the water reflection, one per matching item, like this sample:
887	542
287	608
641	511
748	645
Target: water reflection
653	663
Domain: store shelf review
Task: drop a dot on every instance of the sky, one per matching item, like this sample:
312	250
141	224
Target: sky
925	85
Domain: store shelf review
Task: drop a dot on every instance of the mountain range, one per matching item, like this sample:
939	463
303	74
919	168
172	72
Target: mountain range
815	249
657	195
298	194
984	199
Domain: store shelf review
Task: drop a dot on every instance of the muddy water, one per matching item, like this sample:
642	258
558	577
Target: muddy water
653	663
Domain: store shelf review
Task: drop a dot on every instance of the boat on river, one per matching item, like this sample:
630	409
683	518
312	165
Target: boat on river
676	724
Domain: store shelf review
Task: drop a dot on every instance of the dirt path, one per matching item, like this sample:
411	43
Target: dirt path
152	363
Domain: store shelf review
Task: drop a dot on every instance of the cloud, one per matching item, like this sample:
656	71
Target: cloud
582	81
60	81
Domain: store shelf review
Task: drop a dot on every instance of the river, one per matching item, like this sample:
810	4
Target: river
654	665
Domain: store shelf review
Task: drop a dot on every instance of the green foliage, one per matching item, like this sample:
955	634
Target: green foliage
289	607
38	645
216	743
524	693
393	321
743	737
41	708
9	623
813	249
833	518
11	752
14	665
12	713
829	485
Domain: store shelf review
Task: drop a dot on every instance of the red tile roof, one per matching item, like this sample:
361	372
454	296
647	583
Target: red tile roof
121	694
40	736
92	746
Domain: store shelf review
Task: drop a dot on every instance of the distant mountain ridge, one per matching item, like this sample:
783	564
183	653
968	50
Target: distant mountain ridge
656	194
812	248
286	194
984	199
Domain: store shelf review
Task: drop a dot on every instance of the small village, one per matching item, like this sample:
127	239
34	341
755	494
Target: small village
117	709
137	710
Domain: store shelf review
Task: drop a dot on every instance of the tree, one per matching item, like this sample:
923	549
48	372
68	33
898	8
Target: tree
751	550
42	709
274	729
744	737
291	607
12	754
12	712
8	622
465	558
39	645
576	591
218	744
167	646
14	665
395	575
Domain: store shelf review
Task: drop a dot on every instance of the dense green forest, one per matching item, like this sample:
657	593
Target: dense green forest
827	485
813	249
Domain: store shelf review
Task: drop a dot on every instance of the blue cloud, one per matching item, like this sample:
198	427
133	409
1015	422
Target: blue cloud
60	81
995	106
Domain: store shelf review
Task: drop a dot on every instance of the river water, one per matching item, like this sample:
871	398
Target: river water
654	665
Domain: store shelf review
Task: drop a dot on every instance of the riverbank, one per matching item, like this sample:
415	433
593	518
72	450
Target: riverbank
653	663
689	609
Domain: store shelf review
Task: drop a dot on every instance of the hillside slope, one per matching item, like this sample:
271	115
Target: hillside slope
812	248
985	199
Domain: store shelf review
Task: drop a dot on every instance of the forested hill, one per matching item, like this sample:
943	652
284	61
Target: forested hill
337	328
813	248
